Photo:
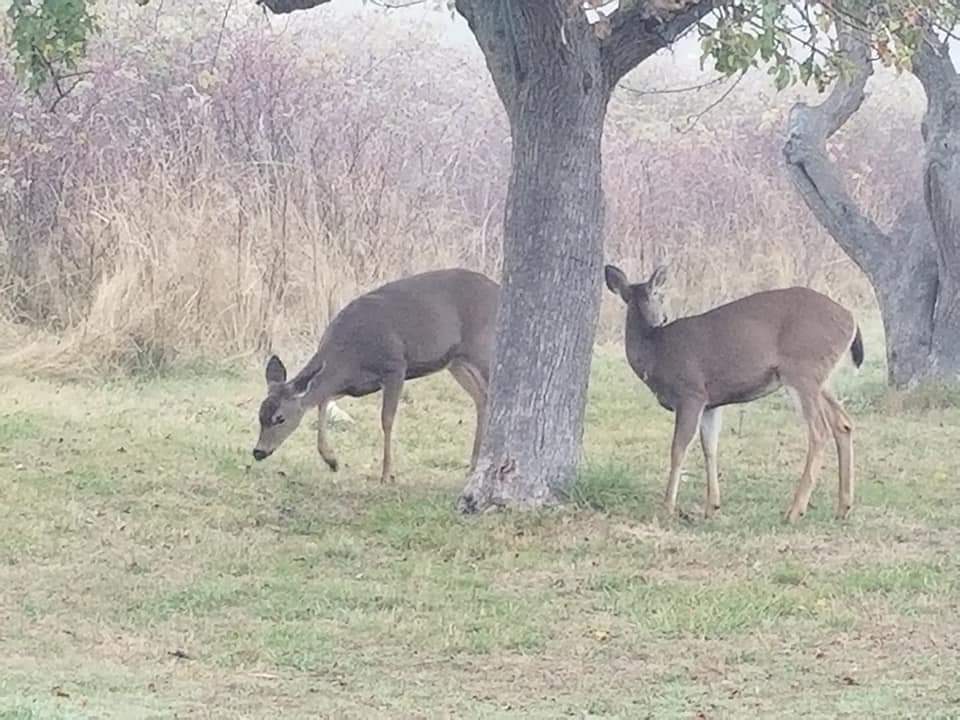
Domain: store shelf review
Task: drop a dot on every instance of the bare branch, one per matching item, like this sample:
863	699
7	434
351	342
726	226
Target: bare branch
815	175
678	90
692	120
223	27
57	79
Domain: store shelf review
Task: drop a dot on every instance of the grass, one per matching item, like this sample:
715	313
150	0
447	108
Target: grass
149	570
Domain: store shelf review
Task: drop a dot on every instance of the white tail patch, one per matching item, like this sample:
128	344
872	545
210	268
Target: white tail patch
336	415
794	399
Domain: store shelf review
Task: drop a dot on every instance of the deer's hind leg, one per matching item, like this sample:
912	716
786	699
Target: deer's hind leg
323	445
710	424
812	407
392	387
842	427
473	381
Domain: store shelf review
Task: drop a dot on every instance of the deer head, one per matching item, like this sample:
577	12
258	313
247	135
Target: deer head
645	298
283	408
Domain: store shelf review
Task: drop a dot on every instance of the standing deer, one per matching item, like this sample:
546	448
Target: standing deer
403	330
735	353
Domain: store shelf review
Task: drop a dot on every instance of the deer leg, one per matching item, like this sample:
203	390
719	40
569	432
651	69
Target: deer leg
842	427
813	412
685	426
472	381
710	424
392	387
323	447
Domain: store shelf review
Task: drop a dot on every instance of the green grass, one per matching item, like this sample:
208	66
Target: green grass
150	570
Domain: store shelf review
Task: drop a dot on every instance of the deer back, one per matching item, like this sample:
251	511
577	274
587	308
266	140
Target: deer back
422	321
734	352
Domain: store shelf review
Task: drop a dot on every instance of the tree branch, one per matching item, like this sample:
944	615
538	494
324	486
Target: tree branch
933	67
281	7
816	177
639	32
692	120
676	90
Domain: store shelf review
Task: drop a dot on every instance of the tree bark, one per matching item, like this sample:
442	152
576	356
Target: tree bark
941	196
552	85
913	268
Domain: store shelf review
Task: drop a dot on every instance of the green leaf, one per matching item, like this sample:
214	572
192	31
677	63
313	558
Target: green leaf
783	77
48	36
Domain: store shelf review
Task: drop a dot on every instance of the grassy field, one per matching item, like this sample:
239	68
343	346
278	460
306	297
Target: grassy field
149	570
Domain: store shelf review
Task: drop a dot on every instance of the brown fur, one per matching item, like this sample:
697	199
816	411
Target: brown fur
738	352
406	329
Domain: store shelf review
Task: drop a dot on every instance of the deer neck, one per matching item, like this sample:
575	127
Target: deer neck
640	340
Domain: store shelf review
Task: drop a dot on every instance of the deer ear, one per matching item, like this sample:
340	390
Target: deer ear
303	382
616	281
276	372
658	278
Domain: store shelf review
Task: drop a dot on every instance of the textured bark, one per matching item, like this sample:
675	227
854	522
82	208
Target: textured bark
555	95
909	267
941	197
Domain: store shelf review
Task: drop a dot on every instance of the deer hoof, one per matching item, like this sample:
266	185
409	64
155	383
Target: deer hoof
332	463
793	514
843	512
710	510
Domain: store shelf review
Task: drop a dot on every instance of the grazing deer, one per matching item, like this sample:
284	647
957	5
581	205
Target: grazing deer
740	352
403	330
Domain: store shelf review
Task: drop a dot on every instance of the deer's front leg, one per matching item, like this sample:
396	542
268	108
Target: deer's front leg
392	387
686	422
323	446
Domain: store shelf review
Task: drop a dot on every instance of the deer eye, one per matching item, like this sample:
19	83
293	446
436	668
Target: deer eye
278	420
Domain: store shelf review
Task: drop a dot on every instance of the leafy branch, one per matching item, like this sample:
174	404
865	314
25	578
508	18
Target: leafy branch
49	41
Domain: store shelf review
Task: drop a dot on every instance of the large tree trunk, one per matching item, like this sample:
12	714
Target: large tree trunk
555	94
941	195
914	268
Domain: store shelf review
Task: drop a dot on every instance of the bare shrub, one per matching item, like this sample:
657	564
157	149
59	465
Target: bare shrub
220	187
